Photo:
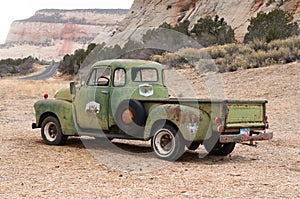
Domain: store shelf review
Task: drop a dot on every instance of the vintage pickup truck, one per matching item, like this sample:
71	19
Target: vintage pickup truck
128	99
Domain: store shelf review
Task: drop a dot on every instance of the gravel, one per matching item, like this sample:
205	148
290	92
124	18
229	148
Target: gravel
90	168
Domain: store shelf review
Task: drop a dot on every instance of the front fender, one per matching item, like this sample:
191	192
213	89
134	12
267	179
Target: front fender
61	109
193	123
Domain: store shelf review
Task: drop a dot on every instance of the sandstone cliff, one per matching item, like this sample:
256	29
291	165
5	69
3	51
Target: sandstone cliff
237	13
60	32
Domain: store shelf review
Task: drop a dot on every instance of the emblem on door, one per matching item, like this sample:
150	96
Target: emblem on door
92	108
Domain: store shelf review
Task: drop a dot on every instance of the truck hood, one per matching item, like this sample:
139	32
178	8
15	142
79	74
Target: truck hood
63	94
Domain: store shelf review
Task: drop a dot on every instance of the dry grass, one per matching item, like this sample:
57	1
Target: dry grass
30	89
232	57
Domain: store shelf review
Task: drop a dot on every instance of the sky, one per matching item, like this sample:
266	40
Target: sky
22	9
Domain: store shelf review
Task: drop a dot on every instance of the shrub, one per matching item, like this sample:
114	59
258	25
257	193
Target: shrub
232	57
217	52
71	63
194	54
276	24
210	31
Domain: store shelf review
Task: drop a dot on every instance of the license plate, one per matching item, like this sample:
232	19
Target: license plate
245	131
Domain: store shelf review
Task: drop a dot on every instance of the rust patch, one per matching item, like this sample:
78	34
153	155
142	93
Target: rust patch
244	138
185	118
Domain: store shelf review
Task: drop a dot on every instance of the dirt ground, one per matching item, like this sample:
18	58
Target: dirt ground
90	168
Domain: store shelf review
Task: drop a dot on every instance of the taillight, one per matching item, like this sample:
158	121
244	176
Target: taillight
267	122
220	128
46	96
218	120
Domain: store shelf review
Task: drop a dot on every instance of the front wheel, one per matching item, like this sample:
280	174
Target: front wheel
51	132
167	143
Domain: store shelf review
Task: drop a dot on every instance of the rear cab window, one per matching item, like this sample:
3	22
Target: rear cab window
144	75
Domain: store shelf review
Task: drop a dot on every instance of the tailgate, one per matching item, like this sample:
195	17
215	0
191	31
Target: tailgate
249	114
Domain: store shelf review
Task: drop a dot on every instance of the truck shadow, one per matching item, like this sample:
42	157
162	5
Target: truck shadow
142	150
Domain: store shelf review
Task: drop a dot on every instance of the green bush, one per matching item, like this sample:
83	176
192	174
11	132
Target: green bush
274	25
71	63
20	66
215	31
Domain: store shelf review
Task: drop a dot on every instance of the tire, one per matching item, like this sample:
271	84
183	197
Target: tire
219	149
167	143
51	132
131	117
193	146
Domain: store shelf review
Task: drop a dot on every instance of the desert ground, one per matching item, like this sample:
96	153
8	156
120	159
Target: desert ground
89	168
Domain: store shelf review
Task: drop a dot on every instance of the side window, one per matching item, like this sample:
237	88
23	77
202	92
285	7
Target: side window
100	77
119	77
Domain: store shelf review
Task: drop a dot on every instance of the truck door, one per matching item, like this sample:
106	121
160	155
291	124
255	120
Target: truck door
92	100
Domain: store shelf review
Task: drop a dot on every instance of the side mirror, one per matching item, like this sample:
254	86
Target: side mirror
72	88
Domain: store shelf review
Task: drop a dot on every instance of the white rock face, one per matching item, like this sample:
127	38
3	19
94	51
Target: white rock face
237	13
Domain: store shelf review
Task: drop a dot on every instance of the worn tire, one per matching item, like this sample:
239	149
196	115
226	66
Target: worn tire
167	143
51	132
131	117
219	149
193	146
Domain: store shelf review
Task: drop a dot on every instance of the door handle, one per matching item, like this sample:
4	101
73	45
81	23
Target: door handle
104	92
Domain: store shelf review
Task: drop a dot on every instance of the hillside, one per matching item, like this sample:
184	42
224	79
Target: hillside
237	13
53	33
50	34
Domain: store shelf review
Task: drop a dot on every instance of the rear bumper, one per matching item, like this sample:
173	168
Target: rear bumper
237	138
34	126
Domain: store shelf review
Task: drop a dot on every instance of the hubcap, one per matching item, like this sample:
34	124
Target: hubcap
50	131
164	142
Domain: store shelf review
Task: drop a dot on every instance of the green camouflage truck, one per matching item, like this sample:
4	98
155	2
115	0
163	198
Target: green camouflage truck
128	99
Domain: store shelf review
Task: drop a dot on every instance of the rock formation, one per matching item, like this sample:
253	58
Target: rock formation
237	13
60	32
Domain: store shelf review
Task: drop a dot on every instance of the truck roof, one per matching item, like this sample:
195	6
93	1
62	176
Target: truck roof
128	63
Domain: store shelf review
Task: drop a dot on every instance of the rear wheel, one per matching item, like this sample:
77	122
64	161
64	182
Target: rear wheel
193	146
219	149
51	132
167	143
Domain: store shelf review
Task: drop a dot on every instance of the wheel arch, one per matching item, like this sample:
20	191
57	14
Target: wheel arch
192	123
159	123
44	116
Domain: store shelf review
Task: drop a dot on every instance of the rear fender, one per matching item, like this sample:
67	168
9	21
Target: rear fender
192	123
